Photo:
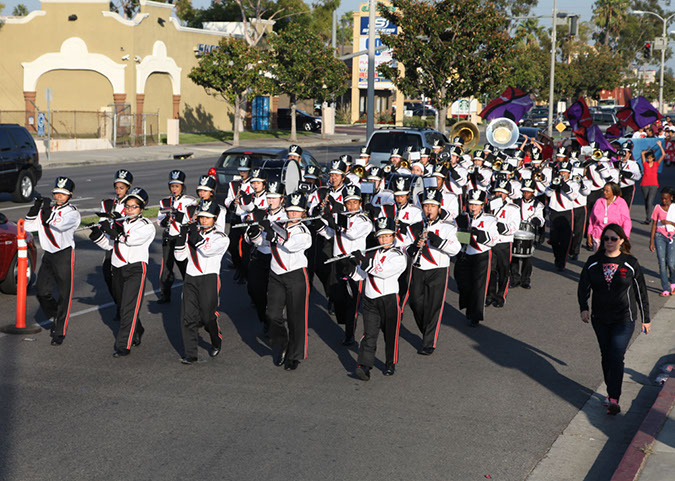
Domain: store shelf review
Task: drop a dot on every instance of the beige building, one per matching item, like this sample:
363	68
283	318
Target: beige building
94	60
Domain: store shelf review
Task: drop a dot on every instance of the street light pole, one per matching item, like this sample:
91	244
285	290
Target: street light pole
370	100
552	81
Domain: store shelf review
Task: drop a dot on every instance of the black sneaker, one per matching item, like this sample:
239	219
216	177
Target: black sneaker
613	409
389	370
362	372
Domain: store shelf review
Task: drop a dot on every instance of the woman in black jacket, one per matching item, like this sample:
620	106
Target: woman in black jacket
619	292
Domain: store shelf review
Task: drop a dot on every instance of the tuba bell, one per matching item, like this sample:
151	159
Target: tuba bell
403	164
359	171
468	131
502	133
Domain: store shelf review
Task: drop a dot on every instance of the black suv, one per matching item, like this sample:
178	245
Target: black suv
20	168
303	121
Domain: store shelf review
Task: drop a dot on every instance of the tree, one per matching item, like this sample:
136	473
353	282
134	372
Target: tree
303	67
589	71
610	16
449	49
333	82
20	10
234	73
259	11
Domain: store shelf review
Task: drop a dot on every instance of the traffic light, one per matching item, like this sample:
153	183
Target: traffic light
647	50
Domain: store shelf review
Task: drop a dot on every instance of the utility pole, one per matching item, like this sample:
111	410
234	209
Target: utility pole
370	100
552	81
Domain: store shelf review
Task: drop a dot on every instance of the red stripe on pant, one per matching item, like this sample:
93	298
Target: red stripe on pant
304	271
70	298
487	280
440	315
398	328
138	306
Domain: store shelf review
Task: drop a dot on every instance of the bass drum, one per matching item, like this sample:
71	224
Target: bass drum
287	171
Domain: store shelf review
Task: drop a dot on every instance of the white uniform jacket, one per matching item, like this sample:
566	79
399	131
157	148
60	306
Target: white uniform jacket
132	246
560	201
508	214
57	231
178	204
436	257
485	235
289	255
258	237
204	257
382	272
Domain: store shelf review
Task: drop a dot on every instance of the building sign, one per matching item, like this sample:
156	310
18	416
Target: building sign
203	48
381	57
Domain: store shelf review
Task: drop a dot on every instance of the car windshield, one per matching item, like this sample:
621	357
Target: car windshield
230	161
385	141
604	118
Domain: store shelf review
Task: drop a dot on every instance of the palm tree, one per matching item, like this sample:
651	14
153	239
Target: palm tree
530	31
610	16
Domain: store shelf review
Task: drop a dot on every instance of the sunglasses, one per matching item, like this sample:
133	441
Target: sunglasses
610	238
131	206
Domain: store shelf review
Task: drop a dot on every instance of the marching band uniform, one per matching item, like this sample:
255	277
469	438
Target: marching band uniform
235	190
580	212
531	212
261	254
381	196
208	184
130	242
348	231
203	249
449	201
508	222
472	269
289	287
429	280
252	205
629	174
55	226
381	310
114	209
561	196
177	211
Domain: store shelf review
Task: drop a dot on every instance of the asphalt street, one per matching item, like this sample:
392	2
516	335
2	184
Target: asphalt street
489	401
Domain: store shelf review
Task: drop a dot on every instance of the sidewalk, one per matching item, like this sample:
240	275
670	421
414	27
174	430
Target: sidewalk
163	152
592	446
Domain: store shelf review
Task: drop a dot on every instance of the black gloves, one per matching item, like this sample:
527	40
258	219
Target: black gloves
194	238
165	221
35	208
536	222
266	226
359	256
46	210
565	187
113	229
434	240
463	221
96	234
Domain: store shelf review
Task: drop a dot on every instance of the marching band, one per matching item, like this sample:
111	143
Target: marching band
377	237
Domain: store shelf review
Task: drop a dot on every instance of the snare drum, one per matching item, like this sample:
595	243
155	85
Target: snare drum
523	244
527	226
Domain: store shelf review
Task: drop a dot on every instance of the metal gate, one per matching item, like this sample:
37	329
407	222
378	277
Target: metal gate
260	113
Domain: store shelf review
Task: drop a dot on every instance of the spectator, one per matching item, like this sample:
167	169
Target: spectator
650	132
619	292
662	240
639	134
609	209
650	181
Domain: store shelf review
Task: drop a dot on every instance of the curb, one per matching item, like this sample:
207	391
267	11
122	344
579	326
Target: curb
638	451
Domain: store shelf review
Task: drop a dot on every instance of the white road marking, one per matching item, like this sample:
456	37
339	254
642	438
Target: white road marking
111	304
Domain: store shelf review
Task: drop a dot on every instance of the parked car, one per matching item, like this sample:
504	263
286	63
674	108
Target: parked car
20	168
303	120
604	118
424	112
9	258
226	166
537	117
383	140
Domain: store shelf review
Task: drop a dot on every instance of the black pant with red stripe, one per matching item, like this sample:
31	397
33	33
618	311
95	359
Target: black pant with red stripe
346	294
427	299
166	276
199	307
628	194
521	270
56	269
129	282
404	283
290	290
382	313
578	230
472	273
500	271
561	235
258	276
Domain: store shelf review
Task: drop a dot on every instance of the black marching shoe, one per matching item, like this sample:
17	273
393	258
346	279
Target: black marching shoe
514	284
349	340
121	352
291	364
573	257
164	299
362	372
138	337
280	357
526	285
473	323
331	309
188	360
488	301
389	370
498	303
426	351
57	340
215	351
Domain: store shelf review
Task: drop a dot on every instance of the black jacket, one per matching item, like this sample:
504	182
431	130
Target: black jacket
618	300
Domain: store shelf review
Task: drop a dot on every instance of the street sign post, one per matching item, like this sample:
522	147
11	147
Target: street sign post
48	98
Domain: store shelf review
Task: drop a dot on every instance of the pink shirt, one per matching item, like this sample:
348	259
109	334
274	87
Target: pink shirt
658	214
615	213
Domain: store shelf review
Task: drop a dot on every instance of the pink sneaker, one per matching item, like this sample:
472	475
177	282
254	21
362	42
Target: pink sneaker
665	294
672	288
613	409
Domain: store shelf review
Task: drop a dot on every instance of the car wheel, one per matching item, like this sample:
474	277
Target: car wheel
24	187
307	126
8	285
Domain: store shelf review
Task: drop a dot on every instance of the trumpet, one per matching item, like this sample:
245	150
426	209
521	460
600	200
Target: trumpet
403	164
577	178
387	169
597	154
557	180
539	176
497	165
472	169
359	171
348	256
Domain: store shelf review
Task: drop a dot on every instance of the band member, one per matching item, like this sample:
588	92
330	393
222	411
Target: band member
252	205
259	236
457	176
508	221
235	190
348	230
206	190
629	173
130	241
114	209
472	269
561	194
579	212
55	225
310	180
450	201
174	212
425	159
478	176
398	165
295	153
289	286
532	215
381	310
381	196
434	243
202	246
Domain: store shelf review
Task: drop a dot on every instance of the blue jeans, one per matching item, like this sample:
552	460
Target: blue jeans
665	252
613	340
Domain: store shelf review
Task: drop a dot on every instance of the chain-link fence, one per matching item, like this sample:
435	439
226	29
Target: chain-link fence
123	129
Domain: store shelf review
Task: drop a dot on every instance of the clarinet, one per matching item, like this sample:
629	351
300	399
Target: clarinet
416	260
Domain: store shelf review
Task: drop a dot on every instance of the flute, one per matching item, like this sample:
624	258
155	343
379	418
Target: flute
96	224
348	256
284	221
